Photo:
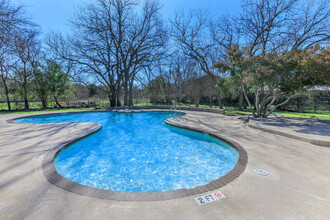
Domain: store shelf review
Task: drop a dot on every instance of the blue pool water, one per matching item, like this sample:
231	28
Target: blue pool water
138	152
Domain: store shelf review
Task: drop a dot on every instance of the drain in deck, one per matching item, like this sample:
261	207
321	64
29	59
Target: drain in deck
261	172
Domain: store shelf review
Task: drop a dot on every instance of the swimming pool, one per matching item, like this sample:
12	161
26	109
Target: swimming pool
138	152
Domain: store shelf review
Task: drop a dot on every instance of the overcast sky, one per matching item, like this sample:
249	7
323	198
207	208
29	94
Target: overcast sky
53	14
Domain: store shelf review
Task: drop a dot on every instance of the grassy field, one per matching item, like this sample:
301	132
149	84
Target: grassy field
309	114
18	106
320	114
52	110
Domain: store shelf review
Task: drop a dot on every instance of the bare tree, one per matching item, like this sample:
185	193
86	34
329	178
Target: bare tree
28	51
113	42
146	39
91	46
264	24
310	25
190	30
181	68
5	69
12	18
226	33
209	88
270	26
200	41
194	86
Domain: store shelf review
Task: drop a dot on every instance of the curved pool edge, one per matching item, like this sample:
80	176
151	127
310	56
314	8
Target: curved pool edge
50	172
13	120
230	176
28	115
56	179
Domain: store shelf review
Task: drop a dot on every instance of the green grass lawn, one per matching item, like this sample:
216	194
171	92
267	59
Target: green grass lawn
319	115
311	114
308	114
53	110
174	104
19	106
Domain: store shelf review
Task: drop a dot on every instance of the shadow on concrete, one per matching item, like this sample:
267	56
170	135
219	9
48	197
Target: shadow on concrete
18	145
301	125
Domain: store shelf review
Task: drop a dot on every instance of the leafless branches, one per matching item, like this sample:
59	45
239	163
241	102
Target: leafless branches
14	24
311	25
113	41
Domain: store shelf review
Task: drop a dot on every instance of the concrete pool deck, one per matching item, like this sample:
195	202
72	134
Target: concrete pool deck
314	131
297	186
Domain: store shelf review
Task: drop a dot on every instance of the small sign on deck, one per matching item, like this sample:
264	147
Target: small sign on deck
211	197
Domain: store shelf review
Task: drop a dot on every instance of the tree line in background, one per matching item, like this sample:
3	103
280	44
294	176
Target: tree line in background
262	57
24	66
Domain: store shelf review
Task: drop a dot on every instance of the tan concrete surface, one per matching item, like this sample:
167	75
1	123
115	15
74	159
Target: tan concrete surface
298	186
315	131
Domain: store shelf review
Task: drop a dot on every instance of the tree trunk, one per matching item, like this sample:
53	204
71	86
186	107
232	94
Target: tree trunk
7	98
211	101
26	101
113	100
283	103
126	90
130	95
240	101
57	103
196	102
125	94
6	91
181	97
248	101
109	97
113	96
44	103
220	103
118	103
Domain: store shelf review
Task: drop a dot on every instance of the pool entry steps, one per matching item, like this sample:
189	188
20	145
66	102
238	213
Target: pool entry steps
175	111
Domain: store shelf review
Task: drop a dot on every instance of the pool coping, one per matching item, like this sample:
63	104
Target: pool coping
56	179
